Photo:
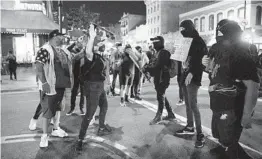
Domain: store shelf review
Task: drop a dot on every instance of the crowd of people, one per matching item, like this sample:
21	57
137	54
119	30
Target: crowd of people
83	65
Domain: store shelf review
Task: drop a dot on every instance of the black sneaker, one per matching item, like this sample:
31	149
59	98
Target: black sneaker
122	102
200	141
156	120
70	112
127	99
79	146
169	117
82	112
138	98
132	96
186	131
104	131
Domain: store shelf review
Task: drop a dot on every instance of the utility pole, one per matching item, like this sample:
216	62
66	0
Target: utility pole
60	15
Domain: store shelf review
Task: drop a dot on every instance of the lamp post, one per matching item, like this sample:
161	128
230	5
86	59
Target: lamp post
60	14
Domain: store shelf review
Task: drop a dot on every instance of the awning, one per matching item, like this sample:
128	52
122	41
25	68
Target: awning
23	21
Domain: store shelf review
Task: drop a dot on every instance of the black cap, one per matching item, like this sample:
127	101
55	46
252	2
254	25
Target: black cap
158	39
54	33
118	44
187	24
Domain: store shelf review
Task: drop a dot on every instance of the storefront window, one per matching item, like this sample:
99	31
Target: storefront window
219	17
258	15
211	22
241	12
196	23
202	24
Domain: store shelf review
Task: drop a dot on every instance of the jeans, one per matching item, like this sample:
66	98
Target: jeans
12	71
75	92
95	95
180	85
190	93
115	73
162	100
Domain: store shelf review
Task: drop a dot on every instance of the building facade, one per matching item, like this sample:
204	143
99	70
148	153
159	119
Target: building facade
249	17
24	28
163	16
129	22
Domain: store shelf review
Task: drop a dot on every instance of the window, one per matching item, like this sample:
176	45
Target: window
157	30
230	14
154	19
154	30
151	20
151	31
154	8
148	11
158	18
211	22
259	15
202	24
151	9
158	6
241	12
219	17
196	23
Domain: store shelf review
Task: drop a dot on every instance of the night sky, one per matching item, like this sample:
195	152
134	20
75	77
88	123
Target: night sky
110	11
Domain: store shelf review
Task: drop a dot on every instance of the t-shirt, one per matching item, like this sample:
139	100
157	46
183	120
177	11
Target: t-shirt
61	70
98	72
230	63
127	66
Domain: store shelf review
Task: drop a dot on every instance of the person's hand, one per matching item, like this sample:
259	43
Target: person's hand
46	87
188	79
205	61
246	122
92	31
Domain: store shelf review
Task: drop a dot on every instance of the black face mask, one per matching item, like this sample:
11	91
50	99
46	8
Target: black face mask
184	33
219	39
158	46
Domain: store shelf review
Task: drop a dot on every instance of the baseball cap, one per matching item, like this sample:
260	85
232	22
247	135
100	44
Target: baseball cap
54	33
157	39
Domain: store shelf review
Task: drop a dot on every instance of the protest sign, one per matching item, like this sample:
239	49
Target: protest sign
181	48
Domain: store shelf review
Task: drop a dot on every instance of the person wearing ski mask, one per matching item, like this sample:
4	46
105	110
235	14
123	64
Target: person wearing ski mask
233	88
159	70
192	70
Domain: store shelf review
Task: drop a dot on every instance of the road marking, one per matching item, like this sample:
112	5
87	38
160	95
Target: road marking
19	92
36	137
183	120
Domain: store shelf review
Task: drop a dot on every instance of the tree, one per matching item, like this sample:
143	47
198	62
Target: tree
81	17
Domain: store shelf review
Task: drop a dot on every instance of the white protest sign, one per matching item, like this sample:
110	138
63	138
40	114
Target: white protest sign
181	48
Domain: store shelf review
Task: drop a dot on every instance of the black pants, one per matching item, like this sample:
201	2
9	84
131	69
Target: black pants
38	110
74	93
115	73
95	95
135	89
162	100
180	85
12	71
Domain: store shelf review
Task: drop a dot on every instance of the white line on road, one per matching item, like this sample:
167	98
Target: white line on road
36	137
19	92
207	130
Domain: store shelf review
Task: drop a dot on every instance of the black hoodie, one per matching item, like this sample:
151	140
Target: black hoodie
196	52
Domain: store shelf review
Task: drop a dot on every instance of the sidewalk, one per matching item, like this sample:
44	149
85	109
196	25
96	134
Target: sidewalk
26	80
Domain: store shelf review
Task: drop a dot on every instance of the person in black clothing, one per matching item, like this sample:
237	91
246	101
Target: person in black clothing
180	83
191	81
233	88
159	70
12	64
93	74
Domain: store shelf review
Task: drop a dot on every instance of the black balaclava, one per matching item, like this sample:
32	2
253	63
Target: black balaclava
189	29
158	43
227	30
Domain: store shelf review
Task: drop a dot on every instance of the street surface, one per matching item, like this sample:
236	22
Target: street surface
132	136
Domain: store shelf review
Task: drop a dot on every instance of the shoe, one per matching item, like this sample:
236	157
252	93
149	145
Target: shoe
82	112
32	124
200	141
122	102
169	117
44	141
186	131
70	112
138	98
132	96
104	131
79	146
126	99
156	119
180	102
59	132
92	121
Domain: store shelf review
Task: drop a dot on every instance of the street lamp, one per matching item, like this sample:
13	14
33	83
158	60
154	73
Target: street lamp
60	14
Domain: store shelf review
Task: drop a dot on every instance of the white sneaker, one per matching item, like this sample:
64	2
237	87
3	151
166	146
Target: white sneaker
44	141
92	121
59	133
32	124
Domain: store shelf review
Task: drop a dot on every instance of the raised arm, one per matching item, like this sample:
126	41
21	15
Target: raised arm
90	43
